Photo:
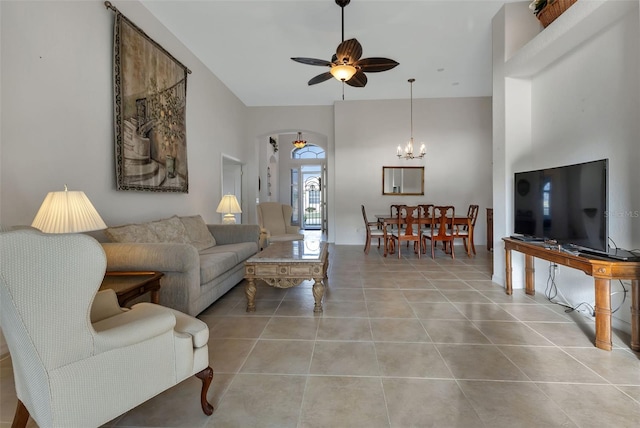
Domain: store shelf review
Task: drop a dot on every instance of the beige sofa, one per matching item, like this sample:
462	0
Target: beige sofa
200	261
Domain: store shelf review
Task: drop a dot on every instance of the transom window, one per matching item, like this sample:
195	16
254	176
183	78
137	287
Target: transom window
308	152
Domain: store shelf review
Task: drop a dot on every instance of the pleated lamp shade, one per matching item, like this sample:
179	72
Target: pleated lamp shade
228	206
67	212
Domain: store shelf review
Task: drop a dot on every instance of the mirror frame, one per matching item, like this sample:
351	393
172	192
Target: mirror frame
421	168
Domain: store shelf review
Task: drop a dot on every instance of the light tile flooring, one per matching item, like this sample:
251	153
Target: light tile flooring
401	343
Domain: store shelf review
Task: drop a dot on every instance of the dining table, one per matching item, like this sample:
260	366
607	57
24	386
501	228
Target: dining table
386	220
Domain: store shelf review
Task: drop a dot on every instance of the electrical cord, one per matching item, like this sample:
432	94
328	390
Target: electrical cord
592	311
551	292
635	251
551	284
624	296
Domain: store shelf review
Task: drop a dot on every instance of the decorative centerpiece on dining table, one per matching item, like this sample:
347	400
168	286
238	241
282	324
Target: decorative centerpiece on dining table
548	10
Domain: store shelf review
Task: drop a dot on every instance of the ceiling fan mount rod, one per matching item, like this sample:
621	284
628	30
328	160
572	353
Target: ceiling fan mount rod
342	4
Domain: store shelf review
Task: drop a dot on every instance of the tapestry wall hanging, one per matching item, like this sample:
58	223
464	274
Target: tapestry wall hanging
150	95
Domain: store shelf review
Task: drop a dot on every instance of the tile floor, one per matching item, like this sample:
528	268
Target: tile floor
401	343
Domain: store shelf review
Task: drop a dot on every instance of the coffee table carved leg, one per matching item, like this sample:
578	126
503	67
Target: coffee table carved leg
318	292
250	292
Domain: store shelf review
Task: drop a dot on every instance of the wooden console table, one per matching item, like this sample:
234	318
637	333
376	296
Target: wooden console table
602	270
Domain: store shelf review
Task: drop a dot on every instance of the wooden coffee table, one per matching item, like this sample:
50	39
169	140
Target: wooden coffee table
129	285
285	265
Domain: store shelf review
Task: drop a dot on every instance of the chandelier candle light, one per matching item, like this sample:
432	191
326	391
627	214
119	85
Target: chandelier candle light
408	150
229	206
299	142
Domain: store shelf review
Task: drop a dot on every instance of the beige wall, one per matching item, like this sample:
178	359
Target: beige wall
457	134
57	115
57	126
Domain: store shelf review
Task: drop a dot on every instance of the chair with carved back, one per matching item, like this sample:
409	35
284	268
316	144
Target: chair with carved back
465	231
440	229
408	221
426	210
373	231
393	211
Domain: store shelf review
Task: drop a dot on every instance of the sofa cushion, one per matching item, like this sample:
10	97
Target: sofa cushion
170	230
242	250
198	232
212	265
132	233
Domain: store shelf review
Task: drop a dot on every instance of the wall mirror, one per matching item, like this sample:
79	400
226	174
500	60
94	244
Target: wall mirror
403	180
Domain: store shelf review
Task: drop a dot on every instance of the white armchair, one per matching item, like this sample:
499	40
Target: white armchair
274	220
79	359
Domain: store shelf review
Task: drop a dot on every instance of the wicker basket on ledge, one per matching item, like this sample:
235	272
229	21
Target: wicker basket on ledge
553	10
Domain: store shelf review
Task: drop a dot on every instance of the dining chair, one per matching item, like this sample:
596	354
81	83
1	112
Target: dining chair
373	231
465	231
393	213
409	217
426	210
440	229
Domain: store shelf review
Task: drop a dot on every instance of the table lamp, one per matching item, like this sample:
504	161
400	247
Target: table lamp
229	206
67	212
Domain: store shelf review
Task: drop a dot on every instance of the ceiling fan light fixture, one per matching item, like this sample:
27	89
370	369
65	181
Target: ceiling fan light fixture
299	142
343	72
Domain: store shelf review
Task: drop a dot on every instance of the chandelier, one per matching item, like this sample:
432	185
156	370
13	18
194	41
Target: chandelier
407	153
299	143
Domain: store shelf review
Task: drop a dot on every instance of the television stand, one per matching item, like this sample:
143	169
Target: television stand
602	270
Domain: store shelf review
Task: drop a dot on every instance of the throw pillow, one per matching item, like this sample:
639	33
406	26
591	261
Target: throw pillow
198	232
170	230
132	233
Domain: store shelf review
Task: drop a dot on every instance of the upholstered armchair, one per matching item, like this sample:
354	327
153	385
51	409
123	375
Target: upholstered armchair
274	220
79	359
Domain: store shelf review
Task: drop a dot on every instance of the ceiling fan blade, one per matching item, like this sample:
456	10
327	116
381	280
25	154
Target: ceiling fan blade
349	51
374	65
320	78
312	61
359	80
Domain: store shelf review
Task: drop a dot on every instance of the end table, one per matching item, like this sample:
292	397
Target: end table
129	285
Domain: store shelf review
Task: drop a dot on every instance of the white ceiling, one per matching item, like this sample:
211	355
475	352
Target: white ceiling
444	45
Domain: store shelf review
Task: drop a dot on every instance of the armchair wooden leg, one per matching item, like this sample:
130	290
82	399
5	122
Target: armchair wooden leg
206	376
21	417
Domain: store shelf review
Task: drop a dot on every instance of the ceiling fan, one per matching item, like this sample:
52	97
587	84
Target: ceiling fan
346	65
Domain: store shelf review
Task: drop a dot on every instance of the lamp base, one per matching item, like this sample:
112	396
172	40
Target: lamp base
229	219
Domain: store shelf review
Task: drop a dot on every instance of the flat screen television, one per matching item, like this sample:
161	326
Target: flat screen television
567	204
